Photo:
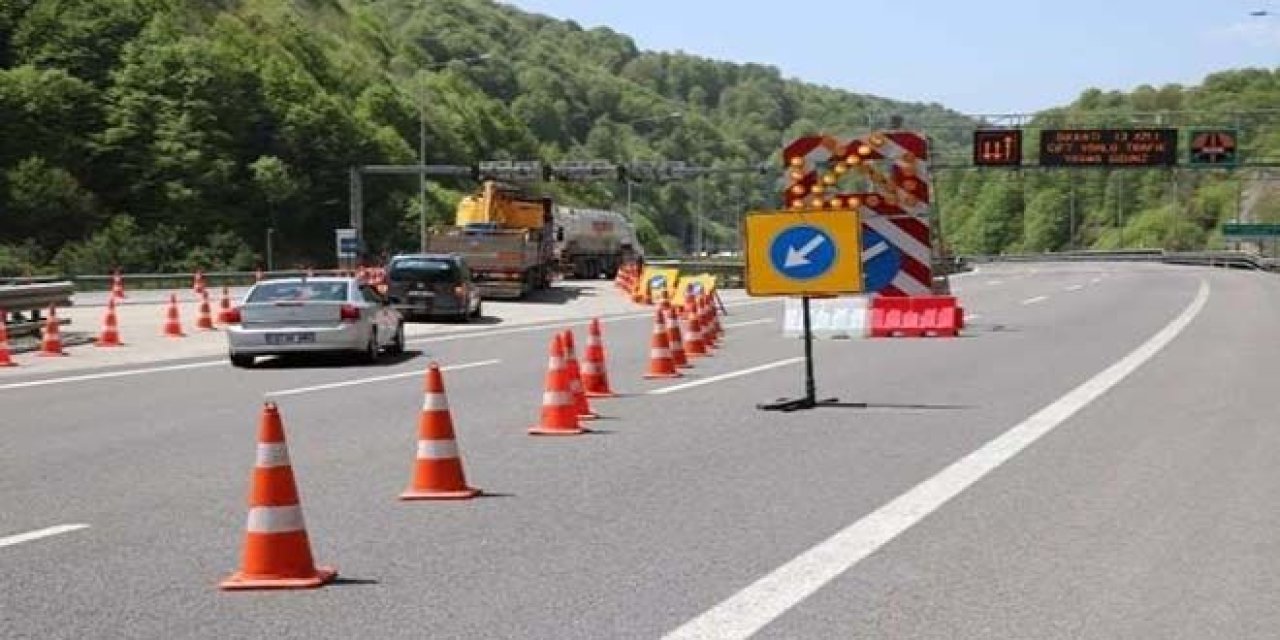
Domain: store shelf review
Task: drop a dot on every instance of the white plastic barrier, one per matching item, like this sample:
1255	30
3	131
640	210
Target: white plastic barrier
845	317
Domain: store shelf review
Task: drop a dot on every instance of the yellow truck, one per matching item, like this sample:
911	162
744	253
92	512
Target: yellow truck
506	237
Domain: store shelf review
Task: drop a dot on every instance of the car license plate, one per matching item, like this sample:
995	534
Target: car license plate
290	338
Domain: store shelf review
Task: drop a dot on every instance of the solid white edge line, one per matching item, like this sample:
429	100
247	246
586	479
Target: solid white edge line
749	610
480	333
358	381
1035	300
110	374
725	376
40	533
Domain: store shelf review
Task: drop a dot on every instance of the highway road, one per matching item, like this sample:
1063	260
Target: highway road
1095	457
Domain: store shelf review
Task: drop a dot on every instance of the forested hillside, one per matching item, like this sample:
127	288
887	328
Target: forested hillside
171	134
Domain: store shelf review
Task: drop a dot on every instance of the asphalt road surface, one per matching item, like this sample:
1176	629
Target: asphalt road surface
1094	458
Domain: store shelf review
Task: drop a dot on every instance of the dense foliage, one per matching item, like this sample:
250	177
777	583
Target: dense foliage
171	134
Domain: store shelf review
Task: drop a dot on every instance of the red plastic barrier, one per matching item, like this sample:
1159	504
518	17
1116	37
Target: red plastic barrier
915	317
886	315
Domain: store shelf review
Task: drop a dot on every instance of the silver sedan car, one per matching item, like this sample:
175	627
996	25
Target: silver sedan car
313	315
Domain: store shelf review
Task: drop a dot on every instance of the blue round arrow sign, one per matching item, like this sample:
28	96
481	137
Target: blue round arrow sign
802	252
881	261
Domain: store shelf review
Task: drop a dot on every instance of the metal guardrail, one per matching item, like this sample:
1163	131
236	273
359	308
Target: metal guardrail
1225	259
182	280
22	303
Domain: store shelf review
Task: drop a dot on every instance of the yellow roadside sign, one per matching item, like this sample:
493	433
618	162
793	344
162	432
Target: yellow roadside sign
655	280
794	253
700	284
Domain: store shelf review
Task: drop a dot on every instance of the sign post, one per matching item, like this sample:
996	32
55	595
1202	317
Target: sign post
805	254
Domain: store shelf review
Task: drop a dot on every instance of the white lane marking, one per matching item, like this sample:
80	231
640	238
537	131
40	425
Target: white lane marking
111	374
762	602
1095	281
1035	300
726	376
749	323
483	333
40	533
995	282
973	316
1075	287
561	324
393	376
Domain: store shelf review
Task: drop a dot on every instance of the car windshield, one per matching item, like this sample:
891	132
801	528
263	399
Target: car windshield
424	269
299	291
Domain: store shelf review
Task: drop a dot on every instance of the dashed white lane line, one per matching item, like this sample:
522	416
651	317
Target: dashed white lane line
972	316
40	533
762	602
1075	287
994	282
1035	300
749	323
1095	281
726	376
358	381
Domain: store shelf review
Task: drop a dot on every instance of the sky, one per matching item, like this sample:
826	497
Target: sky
974	56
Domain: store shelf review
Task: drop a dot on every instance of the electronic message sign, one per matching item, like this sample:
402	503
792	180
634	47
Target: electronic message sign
1108	147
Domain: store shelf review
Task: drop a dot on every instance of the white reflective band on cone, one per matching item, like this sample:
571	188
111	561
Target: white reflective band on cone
575	385
590	368
656	354
437	449
275	519
555	363
435	402
272	454
556	398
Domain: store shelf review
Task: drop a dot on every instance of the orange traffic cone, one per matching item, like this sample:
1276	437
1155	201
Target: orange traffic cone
437	470
277	553
713	313
676	339
580	402
6	360
224	307
694	345
559	412
198	285
117	286
595	379
51	343
110	336
204	321
660	363
172	326
707	316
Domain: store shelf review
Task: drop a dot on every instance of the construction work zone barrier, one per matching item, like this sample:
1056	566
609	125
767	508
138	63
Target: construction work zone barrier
915	317
830	318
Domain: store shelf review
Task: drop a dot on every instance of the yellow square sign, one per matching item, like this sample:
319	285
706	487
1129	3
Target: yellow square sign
794	253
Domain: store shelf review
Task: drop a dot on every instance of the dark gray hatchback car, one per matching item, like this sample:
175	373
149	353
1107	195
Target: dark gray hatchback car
432	285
